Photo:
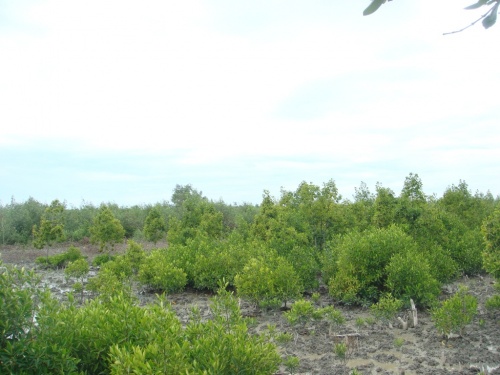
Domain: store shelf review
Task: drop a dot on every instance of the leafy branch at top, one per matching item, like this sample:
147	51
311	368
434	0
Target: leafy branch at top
373	7
488	19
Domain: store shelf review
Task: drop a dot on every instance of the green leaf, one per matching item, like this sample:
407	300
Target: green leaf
491	19
372	8
479	4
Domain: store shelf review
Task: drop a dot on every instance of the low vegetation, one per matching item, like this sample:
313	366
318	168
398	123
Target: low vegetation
378	250
455	313
116	336
60	260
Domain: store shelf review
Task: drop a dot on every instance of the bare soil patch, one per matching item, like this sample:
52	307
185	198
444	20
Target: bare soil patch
377	349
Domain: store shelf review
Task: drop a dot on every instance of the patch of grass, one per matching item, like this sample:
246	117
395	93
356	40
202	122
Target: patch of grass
360	322
493	303
60	260
291	363
370	321
340	350
399	342
284	338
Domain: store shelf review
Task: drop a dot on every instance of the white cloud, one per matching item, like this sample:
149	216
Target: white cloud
203	83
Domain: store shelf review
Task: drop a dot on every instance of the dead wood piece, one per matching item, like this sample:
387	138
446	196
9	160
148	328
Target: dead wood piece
404	323
414	313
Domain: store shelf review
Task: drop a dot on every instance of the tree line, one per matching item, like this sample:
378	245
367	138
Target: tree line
313	214
17	219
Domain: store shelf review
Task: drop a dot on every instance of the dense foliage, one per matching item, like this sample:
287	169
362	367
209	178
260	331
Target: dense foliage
269	281
379	249
376	243
159	274
155	226
117	336
491	233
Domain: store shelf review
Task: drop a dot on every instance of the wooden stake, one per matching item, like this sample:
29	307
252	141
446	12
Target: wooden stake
404	323
414	313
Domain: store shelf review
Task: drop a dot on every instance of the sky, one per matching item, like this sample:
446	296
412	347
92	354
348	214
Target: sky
120	101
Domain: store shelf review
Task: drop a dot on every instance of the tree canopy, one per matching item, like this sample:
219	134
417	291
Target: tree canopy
51	228
106	230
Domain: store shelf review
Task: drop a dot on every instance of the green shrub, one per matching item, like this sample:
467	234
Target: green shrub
107	285
345	286
334	317
34	357
207	260
51	227
491	235
90	331
77	270
255	281
135	255
116	336
442	265
183	257
216	264
115	277
362	261
158	273
52	261
409	277
106	230
301	312
329	258
468	252
287	283
21	300
18	288
73	253
386	308
155	227
121	267
303	259
455	313
60	260
101	259
221	345
436	228
264	280
227	347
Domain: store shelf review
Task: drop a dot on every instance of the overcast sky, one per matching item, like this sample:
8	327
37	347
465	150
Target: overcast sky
119	101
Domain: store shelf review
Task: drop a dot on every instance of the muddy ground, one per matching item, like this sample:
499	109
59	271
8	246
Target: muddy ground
375	347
